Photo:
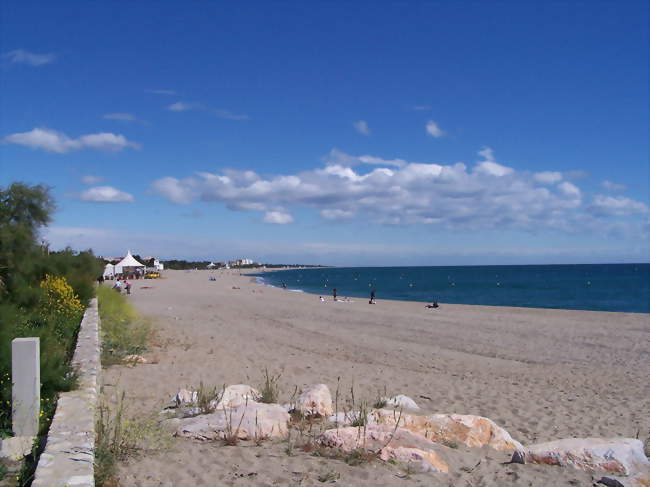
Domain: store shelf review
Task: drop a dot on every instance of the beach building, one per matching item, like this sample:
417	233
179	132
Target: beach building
129	265
154	264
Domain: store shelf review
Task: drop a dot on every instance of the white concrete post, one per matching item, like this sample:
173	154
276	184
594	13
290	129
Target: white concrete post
26	390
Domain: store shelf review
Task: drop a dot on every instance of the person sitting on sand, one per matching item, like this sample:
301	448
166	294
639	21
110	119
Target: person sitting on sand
118	286
321	298
434	305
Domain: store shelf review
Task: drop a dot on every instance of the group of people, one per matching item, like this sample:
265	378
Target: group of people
434	303
119	285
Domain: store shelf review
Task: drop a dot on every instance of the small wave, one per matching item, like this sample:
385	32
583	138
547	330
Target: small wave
296	290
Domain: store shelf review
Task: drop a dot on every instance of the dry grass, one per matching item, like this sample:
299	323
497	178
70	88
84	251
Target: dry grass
270	390
119	438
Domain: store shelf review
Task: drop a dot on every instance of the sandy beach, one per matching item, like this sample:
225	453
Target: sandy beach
540	374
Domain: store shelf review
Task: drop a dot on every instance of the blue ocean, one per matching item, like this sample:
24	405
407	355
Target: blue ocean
597	287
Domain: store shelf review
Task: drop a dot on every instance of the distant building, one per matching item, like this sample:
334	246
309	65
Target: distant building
241	262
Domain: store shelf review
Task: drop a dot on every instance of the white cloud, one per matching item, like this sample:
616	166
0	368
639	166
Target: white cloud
433	130
421	108
610	186
490	195
57	142
175	190
361	126
603	205
90	179
162	92
125	117
548	177
569	189
278	217
489	166
21	56
228	115
106	194
180	106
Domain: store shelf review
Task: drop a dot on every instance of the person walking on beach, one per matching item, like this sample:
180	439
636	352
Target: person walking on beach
334	293
372	297
127	286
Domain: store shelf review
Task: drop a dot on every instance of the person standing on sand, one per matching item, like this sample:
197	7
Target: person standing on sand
372	297
334	293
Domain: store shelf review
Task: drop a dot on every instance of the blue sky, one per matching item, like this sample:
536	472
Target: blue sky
341	133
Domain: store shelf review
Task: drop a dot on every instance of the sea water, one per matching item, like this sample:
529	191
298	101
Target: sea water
598	287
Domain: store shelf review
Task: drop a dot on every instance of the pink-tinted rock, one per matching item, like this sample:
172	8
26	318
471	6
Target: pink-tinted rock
472	431
315	400
388	443
245	422
618	456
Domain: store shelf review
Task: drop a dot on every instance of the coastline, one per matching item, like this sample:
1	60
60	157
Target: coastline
541	374
263	282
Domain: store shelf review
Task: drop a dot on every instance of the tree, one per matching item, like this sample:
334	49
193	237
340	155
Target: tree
23	211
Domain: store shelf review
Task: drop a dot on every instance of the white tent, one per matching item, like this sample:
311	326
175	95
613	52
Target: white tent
109	270
128	264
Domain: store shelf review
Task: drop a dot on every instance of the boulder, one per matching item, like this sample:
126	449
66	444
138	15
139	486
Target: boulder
315	400
401	401
237	395
617	456
253	420
471	431
389	443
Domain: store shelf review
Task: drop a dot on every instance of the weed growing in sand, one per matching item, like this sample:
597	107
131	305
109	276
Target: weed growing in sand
289	448
230	434
118	438
380	402
330	476
270	390
124	331
207	398
361	417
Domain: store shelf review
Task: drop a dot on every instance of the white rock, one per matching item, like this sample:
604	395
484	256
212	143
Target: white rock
315	400
245	422
618	456
237	395
401	401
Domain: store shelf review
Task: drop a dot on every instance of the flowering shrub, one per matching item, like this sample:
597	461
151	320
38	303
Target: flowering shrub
59	298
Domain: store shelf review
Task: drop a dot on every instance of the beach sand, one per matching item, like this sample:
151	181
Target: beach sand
541	374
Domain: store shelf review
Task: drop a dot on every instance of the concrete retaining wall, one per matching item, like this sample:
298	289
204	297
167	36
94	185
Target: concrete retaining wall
68	459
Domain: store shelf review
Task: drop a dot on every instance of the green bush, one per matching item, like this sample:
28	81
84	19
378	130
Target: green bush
24	310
